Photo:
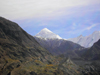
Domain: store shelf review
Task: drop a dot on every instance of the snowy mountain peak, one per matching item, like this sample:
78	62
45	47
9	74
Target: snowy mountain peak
46	33
46	30
87	41
96	32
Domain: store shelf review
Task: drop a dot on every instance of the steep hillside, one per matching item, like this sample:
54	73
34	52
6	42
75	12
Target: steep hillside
18	49
93	53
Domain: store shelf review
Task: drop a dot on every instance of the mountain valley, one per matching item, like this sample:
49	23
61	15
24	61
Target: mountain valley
44	54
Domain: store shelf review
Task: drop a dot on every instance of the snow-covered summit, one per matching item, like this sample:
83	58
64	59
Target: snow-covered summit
87	41
46	30
46	33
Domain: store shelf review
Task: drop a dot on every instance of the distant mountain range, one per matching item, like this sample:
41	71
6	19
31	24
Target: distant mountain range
58	46
55	44
87	58
86	41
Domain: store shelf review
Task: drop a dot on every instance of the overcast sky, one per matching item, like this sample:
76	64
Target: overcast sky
67	18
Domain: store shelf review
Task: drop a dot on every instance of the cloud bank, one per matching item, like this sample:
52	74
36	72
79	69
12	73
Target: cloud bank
21	9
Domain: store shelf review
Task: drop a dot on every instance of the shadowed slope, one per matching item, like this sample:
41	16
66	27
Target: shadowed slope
93	53
17	47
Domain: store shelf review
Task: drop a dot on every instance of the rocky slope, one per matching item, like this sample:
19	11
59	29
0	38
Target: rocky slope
59	46
86	41
91	58
93	53
18	49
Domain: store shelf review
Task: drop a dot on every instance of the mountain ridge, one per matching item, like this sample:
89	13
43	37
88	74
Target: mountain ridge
59	46
86	41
